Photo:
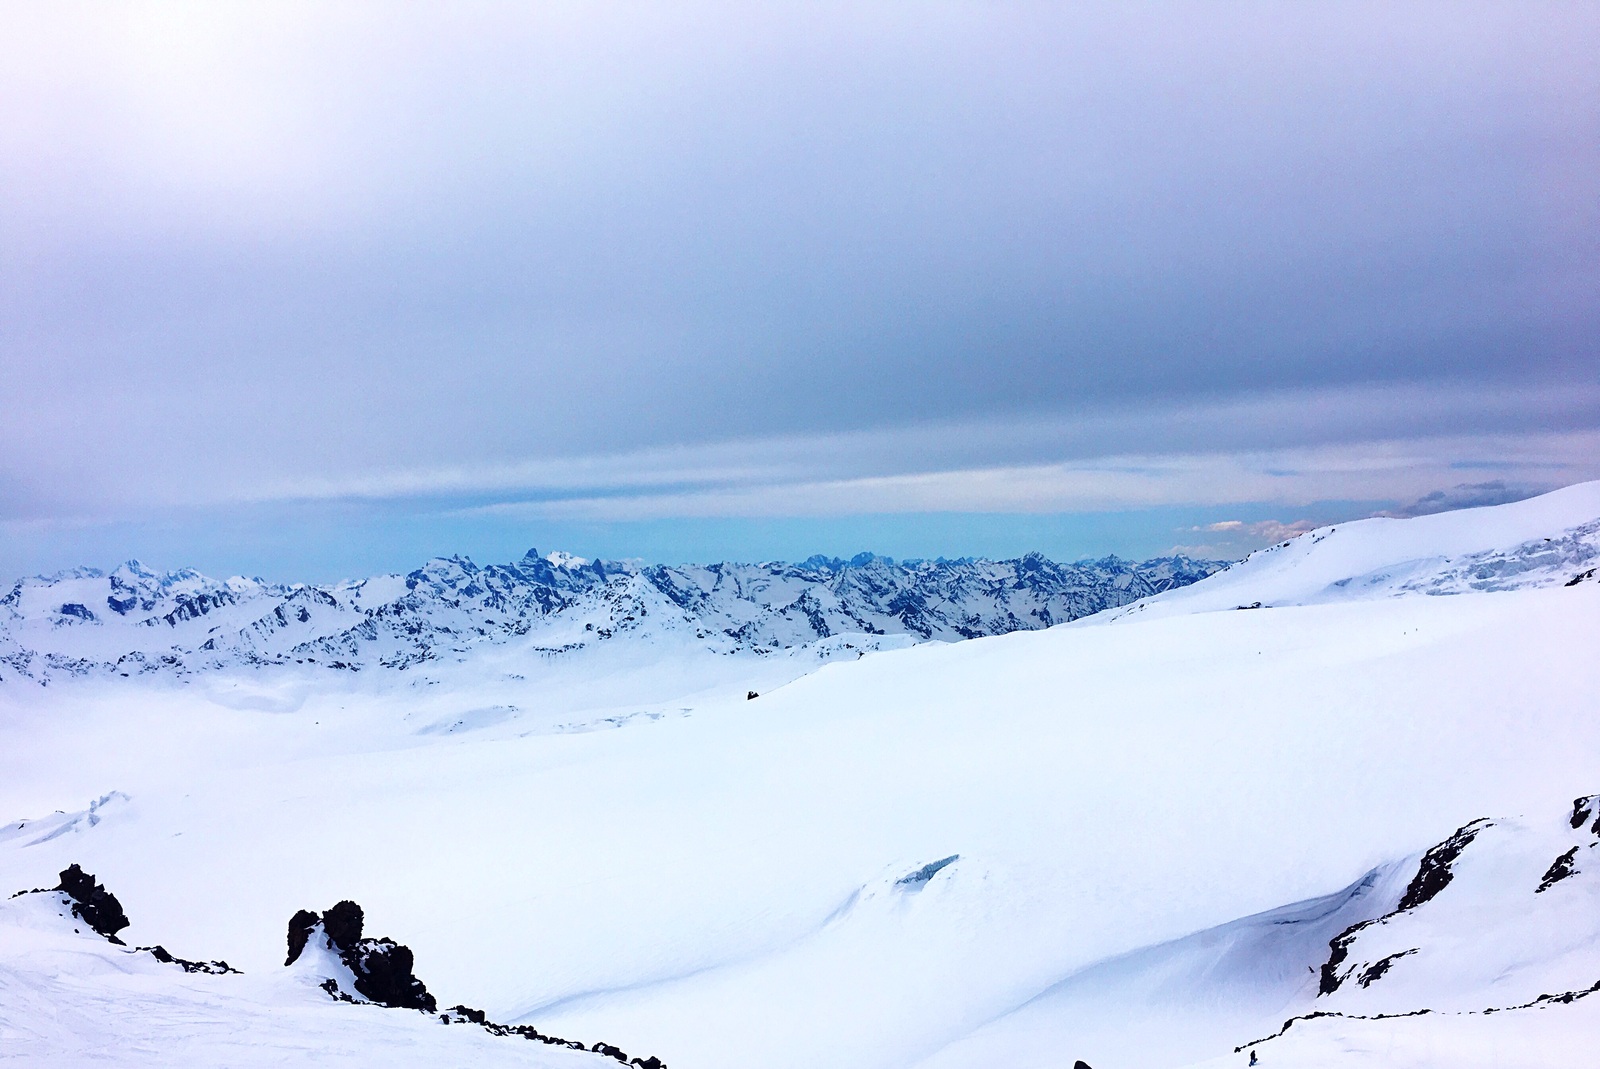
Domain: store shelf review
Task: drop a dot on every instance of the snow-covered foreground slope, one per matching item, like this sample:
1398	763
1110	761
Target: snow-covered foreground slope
1543	541
1541	1037
69	998
722	888
1492	935
1133	845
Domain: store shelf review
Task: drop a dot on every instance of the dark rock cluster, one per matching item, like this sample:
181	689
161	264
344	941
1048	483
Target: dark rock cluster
161	954
382	968
383	975
927	872
92	903
468	1015
1434	874
97	907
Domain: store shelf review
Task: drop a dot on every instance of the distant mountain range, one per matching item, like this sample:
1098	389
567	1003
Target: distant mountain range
134	621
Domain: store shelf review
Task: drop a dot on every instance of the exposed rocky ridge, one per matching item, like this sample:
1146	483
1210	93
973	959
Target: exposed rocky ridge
381	969
87	900
1478	932
161	954
1509	903
382	973
134	621
468	1015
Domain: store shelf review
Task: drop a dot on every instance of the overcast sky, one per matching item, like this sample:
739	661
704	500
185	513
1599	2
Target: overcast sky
316	289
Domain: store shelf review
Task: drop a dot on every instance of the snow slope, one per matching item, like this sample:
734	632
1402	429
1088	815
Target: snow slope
1543	541
1488	958
1124	844
1539	1037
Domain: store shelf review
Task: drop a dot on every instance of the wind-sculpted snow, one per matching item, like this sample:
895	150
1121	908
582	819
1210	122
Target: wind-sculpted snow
133	621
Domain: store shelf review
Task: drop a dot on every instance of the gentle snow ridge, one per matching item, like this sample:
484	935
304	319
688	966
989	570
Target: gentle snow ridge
1552	540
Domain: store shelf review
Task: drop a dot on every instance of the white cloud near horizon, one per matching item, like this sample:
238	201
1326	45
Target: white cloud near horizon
1389	443
1371	471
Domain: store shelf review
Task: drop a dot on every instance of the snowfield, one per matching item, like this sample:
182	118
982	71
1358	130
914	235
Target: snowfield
1130	844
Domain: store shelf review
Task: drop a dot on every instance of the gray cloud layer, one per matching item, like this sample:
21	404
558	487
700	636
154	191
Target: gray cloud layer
717	251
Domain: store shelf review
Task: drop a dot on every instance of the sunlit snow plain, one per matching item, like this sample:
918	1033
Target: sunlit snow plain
621	846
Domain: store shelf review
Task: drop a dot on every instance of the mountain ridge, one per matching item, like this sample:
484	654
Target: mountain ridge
133	621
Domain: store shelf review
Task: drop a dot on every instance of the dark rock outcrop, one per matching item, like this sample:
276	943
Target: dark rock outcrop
161	954
300	928
1434	874
468	1015
383	971
1338	950
1376	970
1584	808
383	974
382	968
97	907
92	903
1559	869
343	923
